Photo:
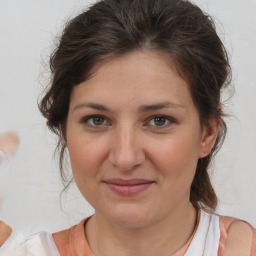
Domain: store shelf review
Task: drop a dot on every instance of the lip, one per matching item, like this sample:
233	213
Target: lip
123	182
128	187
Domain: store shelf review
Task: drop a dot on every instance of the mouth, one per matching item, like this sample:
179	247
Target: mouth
128	187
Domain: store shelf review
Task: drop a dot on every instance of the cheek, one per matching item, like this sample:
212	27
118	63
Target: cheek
176	160
86	156
84	163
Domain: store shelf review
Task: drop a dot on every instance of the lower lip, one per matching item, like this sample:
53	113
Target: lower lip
128	190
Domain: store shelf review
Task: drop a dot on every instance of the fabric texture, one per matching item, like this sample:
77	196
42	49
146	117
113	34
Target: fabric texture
40	244
208	239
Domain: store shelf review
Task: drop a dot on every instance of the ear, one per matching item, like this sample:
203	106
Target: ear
209	136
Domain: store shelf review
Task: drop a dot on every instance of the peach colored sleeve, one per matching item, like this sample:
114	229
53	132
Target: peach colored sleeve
61	240
72	242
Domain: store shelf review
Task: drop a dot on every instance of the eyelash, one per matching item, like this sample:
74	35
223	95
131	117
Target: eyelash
87	119
168	119
151	118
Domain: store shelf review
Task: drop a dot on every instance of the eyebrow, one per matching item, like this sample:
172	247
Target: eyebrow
158	106
142	108
92	105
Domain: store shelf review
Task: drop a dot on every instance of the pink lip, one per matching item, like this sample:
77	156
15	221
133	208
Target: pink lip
128	187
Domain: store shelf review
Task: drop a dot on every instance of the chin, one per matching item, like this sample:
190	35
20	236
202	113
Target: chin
129	217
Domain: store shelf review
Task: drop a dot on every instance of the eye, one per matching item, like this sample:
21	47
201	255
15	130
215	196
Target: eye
94	121
160	121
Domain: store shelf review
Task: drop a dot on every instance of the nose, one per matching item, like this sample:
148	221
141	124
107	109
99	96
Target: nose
126	151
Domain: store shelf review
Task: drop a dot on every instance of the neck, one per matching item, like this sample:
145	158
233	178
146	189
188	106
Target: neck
163	237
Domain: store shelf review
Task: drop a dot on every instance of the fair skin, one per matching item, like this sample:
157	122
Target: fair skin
131	143
135	119
239	240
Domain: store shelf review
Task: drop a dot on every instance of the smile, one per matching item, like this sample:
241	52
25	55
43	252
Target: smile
128	187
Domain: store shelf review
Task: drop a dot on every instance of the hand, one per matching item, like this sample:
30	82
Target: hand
5	232
8	144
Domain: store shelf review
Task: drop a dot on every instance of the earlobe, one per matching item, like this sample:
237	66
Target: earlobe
209	136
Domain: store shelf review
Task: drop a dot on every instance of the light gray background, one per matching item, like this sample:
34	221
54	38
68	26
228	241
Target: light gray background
30	184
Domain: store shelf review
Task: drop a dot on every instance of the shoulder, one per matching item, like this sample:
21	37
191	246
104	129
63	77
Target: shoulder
62	241
73	240
237	237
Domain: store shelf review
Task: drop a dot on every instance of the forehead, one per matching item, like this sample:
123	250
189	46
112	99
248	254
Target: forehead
135	62
132	78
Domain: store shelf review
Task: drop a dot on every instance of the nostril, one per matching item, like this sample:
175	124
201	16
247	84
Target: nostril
125	151
126	162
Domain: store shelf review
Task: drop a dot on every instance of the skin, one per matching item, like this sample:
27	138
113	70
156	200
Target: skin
9	143
5	232
239	240
128	143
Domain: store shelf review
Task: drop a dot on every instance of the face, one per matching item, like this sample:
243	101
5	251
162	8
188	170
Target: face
134	139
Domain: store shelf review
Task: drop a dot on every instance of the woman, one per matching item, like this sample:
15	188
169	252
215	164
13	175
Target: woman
135	100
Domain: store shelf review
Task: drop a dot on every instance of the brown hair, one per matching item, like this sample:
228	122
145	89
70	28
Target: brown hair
115	27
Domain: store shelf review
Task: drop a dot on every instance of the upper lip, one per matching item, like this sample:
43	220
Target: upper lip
124	182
